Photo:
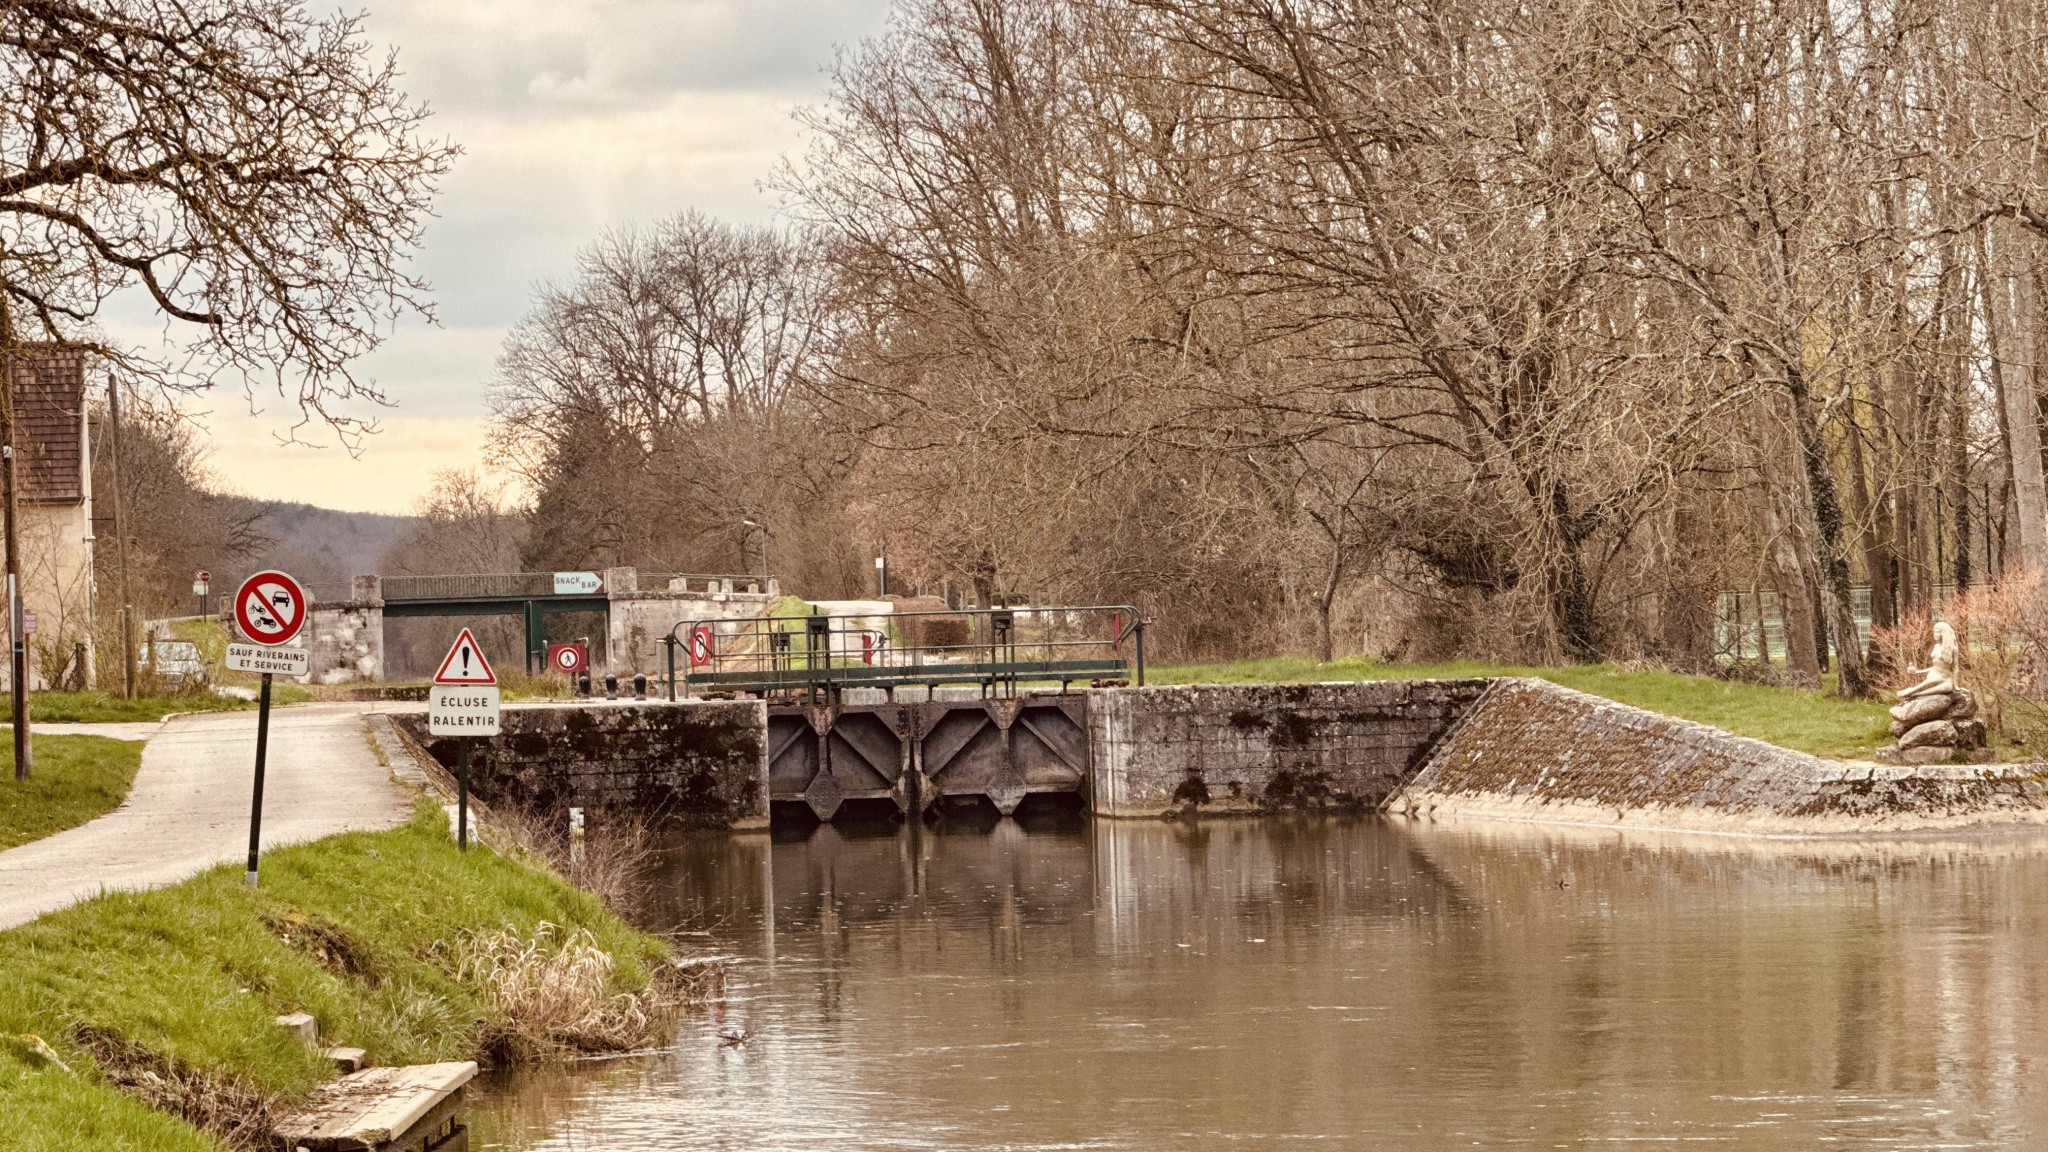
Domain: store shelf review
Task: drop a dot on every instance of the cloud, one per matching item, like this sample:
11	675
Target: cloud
524	58
396	467
575	116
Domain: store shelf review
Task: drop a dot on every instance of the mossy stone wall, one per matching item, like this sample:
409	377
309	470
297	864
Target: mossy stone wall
699	762
1264	747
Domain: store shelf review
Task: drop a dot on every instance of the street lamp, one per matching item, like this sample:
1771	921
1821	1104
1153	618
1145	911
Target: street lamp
201	581
765	534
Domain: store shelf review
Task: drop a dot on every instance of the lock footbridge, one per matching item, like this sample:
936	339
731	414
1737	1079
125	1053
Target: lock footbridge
815	658
916	708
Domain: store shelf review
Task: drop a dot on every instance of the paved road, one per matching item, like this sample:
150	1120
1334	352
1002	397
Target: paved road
189	808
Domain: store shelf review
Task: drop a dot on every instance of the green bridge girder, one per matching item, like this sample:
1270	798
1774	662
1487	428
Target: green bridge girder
533	609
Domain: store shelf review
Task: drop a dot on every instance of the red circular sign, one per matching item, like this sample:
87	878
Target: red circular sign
568	658
270	608
700	645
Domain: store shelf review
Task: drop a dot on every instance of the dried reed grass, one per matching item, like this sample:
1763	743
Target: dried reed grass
552	995
614	862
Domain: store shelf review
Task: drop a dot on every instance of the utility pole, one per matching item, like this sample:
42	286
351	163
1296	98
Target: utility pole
121	538
9	390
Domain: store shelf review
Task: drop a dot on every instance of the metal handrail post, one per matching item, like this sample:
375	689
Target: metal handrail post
1140	636
668	648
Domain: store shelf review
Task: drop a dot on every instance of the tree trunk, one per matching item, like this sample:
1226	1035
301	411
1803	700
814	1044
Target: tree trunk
1795	593
1831	565
1874	535
1326	601
1958	477
1686	605
1571	596
2009	300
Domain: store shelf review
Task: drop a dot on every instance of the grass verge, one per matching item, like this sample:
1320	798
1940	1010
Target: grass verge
76	778
393	941
106	708
1805	721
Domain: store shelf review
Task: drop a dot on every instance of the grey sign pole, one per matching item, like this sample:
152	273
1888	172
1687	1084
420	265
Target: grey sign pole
462	794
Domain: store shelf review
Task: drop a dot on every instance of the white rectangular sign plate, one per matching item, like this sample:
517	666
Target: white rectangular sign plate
263	658
578	583
462	710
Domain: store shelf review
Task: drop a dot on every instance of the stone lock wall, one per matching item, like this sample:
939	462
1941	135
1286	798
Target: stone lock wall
1264	747
345	642
1534	751
700	762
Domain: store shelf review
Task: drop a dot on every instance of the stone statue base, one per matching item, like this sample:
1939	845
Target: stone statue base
1936	728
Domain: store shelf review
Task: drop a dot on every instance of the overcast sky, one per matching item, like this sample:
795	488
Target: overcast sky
574	116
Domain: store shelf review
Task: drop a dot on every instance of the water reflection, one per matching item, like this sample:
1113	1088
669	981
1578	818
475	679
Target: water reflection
1357	984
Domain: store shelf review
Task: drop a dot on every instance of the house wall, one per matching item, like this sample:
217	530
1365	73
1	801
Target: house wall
57	586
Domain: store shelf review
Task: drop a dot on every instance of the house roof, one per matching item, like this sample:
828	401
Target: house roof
49	396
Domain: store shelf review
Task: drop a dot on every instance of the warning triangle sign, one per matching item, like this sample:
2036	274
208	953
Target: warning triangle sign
465	664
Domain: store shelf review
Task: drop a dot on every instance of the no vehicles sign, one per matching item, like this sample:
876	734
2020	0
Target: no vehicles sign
270	608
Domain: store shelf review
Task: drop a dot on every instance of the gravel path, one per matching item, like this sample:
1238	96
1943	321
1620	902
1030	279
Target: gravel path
189	808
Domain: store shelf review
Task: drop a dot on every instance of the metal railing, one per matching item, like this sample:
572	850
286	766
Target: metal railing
707	582
1749	626
531	585
473	586
999	649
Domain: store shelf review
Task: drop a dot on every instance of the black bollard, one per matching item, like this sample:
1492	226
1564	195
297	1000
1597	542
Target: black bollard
583	685
611	686
639	685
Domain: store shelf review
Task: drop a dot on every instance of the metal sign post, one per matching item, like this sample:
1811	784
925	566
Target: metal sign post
463	703
270	609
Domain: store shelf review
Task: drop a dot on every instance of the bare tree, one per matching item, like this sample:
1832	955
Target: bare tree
669	395
249	167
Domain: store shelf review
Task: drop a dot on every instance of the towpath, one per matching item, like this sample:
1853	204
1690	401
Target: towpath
189	808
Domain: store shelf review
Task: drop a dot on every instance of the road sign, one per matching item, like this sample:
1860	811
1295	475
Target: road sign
569	658
465	664
462	710
578	583
29	623
263	658
700	645
463	702
270	608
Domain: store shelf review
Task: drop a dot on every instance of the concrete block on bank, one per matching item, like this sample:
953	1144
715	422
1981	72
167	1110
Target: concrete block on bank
301	1026
347	1059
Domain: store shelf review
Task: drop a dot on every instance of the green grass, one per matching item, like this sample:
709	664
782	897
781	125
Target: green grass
76	778
107	708
1806	721
196	973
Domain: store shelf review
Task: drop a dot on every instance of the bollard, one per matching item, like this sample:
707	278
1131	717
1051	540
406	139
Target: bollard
583	685
611	686
639	685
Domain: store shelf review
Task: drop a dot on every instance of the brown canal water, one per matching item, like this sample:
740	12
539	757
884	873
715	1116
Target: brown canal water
1367	984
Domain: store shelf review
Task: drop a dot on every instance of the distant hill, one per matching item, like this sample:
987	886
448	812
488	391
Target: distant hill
320	545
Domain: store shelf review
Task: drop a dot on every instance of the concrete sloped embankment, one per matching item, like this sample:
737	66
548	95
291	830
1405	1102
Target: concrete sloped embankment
1534	751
